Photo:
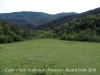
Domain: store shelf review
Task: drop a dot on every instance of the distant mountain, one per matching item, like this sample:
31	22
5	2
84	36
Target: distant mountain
31	19
60	21
64	14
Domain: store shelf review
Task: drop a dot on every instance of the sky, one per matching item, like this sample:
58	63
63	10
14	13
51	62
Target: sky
48	6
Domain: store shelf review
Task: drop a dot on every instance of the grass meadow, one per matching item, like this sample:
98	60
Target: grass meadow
50	57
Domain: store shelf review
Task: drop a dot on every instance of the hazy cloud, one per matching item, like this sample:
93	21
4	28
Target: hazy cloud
48	6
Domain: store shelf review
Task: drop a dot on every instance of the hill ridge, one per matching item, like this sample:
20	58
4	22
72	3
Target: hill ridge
31	19
64	19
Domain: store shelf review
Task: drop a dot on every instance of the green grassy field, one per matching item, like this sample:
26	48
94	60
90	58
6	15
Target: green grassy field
57	57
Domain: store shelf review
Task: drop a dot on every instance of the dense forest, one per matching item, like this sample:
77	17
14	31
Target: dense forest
12	32
81	27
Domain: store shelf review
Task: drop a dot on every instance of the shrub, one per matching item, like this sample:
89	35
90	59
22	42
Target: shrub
70	37
18	38
63	37
9	39
95	38
13	35
3	38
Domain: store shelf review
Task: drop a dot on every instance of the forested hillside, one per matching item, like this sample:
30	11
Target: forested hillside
31	19
64	19
81	27
12	32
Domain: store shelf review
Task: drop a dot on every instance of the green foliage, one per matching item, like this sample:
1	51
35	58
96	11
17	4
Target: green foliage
72	27
6	29
13	35
3	38
65	26
1	30
21	32
10	32
80	29
70	37
84	28
18	38
44	34
9	39
63	37
57	29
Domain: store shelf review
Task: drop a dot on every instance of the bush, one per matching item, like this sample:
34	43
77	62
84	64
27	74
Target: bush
95	38
70	37
41	35
63	37
18	38
13	35
9	39
3	38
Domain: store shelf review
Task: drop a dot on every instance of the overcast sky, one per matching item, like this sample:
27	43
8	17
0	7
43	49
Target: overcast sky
48	6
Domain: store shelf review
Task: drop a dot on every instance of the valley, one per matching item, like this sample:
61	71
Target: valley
37	43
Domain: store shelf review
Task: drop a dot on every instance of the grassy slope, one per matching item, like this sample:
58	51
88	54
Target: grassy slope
51	52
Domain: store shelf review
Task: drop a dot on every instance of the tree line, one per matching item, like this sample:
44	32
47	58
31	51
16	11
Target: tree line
12	32
78	29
